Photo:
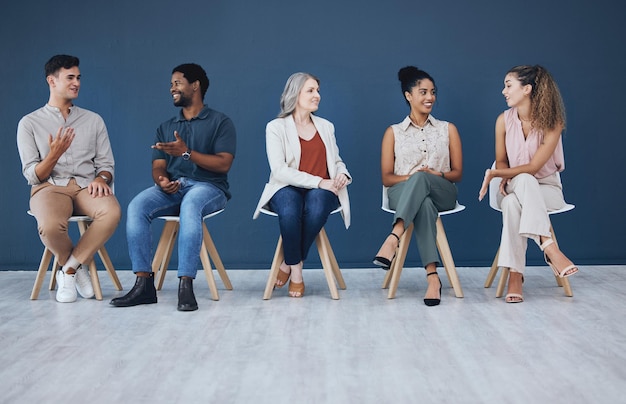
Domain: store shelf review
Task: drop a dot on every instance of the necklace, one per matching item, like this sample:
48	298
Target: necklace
414	120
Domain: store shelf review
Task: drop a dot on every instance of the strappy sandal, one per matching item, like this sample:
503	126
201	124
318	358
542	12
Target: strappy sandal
562	273
296	288
514	297
282	277
430	301
383	262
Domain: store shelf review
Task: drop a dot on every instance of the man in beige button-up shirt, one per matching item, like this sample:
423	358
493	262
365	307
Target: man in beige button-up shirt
66	157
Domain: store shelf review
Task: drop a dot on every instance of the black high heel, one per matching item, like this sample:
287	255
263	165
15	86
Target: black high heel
433	302
383	262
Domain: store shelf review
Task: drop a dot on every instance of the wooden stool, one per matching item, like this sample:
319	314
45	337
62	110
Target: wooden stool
165	247
83	222
494	186
393	275
327	257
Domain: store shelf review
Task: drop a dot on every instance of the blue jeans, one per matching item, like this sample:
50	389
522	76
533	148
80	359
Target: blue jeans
193	200
301	215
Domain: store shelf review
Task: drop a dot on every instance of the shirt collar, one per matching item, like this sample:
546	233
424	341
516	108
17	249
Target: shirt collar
57	109
204	112
407	122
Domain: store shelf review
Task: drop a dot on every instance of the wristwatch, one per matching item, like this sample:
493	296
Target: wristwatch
186	155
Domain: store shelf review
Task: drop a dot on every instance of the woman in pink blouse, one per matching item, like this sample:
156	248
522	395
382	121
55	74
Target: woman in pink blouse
529	156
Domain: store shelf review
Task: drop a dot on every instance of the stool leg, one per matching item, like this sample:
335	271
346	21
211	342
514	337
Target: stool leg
95	281
93	271
502	283
208	272
334	265
163	253
448	261
53	278
46	257
322	249
108	265
333	260
271	279
388	276
493	271
207	243
398	262
566	287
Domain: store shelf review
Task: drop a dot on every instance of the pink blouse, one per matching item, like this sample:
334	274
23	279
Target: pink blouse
520	150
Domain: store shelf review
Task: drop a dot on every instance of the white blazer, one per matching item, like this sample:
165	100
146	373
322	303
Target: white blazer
282	145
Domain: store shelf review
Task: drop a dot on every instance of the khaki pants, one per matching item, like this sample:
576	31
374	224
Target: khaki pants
52	206
525	215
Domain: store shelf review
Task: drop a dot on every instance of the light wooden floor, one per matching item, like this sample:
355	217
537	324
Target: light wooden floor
362	348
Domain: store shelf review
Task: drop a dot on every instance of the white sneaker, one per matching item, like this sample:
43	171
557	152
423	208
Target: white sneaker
83	283
66	287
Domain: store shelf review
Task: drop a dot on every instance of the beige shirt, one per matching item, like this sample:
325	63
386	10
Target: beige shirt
416	147
90	152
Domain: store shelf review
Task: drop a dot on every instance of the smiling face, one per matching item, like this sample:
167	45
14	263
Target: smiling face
65	84
181	90
514	92
422	96
309	97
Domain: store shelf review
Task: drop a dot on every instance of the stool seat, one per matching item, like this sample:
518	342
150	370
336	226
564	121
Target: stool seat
164	249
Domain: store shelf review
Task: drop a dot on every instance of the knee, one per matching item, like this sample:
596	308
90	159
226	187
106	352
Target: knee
109	215
114	214
509	202
290	216
418	177
525	177
48	226
134	208
418	182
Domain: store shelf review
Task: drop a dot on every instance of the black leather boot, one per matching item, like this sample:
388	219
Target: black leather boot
186	298
142	293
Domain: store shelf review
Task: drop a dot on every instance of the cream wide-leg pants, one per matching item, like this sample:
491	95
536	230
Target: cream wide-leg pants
525	215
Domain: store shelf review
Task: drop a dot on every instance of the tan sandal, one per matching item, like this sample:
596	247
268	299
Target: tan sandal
282	277
296	288
563	272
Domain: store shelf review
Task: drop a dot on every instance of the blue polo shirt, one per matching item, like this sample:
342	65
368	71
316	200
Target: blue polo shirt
210	132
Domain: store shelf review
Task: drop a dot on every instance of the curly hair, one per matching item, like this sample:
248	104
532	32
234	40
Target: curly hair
546	105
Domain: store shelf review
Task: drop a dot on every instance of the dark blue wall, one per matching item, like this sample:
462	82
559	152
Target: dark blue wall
249	48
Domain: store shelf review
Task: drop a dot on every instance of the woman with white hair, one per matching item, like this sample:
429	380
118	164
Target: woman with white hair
308	179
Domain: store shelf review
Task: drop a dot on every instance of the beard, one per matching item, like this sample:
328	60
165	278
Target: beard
182	101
